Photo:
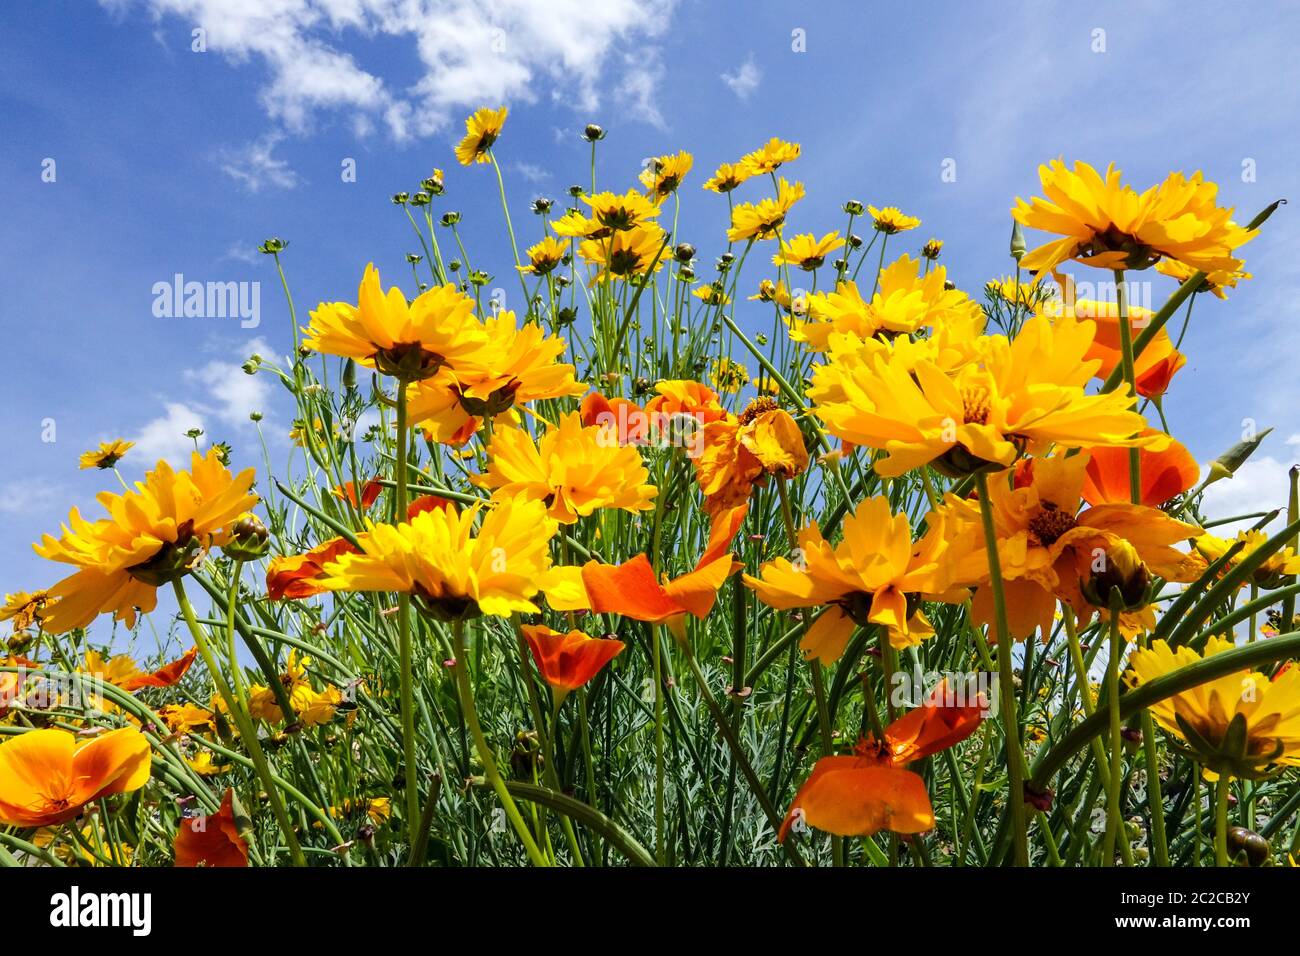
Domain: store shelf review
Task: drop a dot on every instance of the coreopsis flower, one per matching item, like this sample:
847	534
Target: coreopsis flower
625	254
1020	395
1278	569
151	536
623	211
384	332
517	364
544	256
214	840
48	776
664	174
740	452
311	707
769	291
932	249
1106	224
1154	367
727	177
869	791
574	225
1023	294
481	130
205	765
122	671
891	220
568	661
711	294
769	157
1242	724
108	454
875	575
807	251
574	470
1165	474
1051	550
453	571
295	576
185	718
632	589
904	302
729	376
24	609
378	810
763	219
1215	282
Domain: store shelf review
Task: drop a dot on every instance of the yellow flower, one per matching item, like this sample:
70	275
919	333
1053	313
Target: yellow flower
622	211
184	718
384	332
1109	225
711	294
1022	395
729	375
932	249
727	177
891	220
572	469
664	174
770	157
625	254
769	291
544	256
516	364
1027	294
108	454
481	130
574	225
763	219
904	302
1277	570
807	251
453	571
868	578
24	609
1242	724
150	537
205	765
1215	282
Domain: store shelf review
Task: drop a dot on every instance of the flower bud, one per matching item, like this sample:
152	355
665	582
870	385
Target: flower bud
593	133
1017	241
273	245
1226	465
684	252
450	218
1119	570
854	207
1242	841
399	199
541	205
249	539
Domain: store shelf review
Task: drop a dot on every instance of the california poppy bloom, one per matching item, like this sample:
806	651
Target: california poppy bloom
47	776
370	493
869	791
1165	474
628	420
122	671
567	661
295	576
213	840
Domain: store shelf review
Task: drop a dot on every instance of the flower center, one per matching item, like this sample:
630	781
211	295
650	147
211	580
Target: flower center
1050	523
757	407
975	406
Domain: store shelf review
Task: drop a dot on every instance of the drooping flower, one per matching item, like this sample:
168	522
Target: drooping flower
122	671
1050	550
150	537
573	470
806	251
47	776
739	452
663	174
108	454
1241	724
454	572
214	840
891	220
1106	224
769	157
482	128
869	791
763	219
875	575
1020	395
24	608
568	661
727	177
544	256
1216	283
407	340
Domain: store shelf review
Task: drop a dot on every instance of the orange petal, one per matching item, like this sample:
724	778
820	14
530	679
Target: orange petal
212	840
629	589
697	590
828	636
850	796
294	576
1164	473
567	661
165	676
943	720
725	526
115	762
1030	606
426	503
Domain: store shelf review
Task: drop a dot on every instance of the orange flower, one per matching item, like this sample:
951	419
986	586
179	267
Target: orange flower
11	683
426	503
684	397
370	492
46	777
295	576
626	417
122	672
567	661
212	840
869	791
1165	474
739	452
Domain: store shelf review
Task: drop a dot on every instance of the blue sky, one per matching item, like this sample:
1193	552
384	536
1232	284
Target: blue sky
172	161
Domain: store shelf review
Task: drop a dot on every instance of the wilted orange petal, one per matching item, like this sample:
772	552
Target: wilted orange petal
165	676
212	840
934	726
725	526
697	590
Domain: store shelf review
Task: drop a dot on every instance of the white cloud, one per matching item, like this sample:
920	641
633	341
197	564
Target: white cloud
165	438
255	166
25	497
241	251
471	53
531	172
1261	484
637	94
744	81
